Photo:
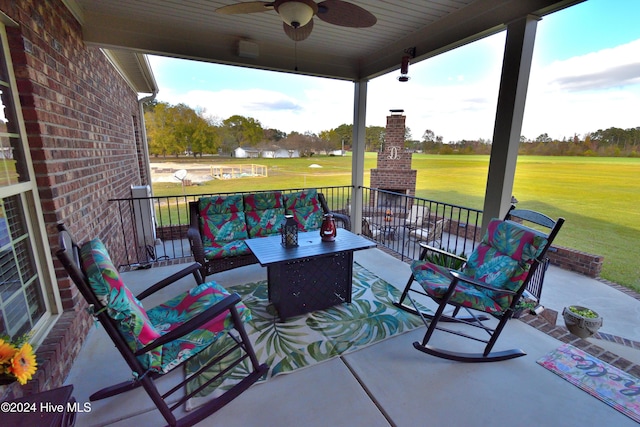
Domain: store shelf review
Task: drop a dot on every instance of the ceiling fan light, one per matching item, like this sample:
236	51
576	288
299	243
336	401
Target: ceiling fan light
296	13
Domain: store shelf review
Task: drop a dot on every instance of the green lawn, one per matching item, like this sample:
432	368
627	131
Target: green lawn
599	197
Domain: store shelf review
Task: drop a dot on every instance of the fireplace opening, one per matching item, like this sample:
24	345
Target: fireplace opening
390	199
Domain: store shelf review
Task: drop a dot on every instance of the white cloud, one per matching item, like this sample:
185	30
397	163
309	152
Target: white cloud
317	108
577	95
585	93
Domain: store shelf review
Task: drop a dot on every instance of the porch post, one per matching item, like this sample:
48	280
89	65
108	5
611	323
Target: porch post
516	66
357	151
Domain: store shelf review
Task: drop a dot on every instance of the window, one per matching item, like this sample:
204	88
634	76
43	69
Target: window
22	302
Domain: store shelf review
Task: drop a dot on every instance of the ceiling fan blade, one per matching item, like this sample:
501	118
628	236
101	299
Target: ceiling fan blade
298	34
345	14
246	7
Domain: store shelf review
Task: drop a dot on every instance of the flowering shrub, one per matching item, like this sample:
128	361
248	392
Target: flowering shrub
17	360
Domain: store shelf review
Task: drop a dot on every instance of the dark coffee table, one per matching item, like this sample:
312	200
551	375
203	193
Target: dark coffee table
312	276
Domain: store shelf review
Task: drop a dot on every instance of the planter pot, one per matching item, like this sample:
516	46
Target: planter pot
579	325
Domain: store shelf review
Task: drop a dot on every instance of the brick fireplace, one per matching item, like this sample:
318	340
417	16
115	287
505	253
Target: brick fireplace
393	172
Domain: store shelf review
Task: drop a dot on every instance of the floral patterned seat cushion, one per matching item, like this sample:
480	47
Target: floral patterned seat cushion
502	260
177	311
305	208
264	213
140	327
222	226
215	249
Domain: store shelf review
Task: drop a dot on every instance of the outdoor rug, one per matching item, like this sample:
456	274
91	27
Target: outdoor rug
312	338
611	385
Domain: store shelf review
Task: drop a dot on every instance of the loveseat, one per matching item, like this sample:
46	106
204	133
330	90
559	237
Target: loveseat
219	225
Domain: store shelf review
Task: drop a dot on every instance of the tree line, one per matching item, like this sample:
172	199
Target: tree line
611	142
174	130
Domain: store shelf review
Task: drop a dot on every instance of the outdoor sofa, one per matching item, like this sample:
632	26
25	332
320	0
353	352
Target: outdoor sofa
219	225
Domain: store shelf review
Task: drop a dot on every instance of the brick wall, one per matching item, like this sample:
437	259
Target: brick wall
574	260
81	120
393	170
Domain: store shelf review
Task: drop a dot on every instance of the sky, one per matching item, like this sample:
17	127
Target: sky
585	76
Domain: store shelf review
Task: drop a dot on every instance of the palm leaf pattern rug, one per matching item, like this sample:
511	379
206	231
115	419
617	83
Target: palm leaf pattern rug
305	340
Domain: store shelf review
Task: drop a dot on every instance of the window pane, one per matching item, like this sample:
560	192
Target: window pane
21	297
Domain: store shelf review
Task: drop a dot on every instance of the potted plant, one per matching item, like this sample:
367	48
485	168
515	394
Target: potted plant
581	321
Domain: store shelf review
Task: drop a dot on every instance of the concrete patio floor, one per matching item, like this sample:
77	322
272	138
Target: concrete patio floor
390	383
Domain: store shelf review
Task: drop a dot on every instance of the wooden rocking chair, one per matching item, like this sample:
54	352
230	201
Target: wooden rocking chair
156	341
491	282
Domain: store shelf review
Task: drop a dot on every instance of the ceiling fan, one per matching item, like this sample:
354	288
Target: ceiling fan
297	15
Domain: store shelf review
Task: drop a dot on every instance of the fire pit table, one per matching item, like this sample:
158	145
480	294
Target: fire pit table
312	276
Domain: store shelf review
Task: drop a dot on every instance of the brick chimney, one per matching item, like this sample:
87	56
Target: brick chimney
394	171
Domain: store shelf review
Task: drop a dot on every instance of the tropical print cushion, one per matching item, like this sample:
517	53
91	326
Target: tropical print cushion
502	260
300	198
222	219
262	201
223	228
122	306
177	311
140	327
435	280
305	208
264	223
220	204
264	213
514	240
226	249
504	257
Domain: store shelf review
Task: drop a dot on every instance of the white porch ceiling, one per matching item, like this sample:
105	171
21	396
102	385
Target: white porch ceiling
191	29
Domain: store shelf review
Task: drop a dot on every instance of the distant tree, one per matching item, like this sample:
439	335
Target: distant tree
244	130
543	138
160	130
374	137
428	136
345	133
274	135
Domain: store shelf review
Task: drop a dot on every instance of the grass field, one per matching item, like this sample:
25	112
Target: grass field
599	197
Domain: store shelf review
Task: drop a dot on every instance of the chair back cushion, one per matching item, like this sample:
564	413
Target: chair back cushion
222	219
305	208
121	305
504	257
264	213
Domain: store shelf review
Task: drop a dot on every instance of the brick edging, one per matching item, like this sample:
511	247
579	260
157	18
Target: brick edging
562	334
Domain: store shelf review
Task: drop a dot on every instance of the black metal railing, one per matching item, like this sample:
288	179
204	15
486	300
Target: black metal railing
399	222
155	228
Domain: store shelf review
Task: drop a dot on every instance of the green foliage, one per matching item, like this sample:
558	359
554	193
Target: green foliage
584	312
444	260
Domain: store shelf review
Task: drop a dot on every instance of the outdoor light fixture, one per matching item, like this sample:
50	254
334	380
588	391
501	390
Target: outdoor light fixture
296	13
289	232
404	69
409	54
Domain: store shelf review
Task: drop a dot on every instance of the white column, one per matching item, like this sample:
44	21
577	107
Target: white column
516	66
357	150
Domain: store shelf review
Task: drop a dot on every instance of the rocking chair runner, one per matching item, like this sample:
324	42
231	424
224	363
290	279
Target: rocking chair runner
156	341
491	282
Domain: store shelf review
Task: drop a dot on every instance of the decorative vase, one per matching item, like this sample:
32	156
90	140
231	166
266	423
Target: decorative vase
328	229
580	325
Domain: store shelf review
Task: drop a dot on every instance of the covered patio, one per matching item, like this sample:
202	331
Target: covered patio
86	135
414	30
390	383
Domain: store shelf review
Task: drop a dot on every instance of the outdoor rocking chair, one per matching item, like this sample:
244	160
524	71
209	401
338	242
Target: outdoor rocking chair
156	341
491	281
